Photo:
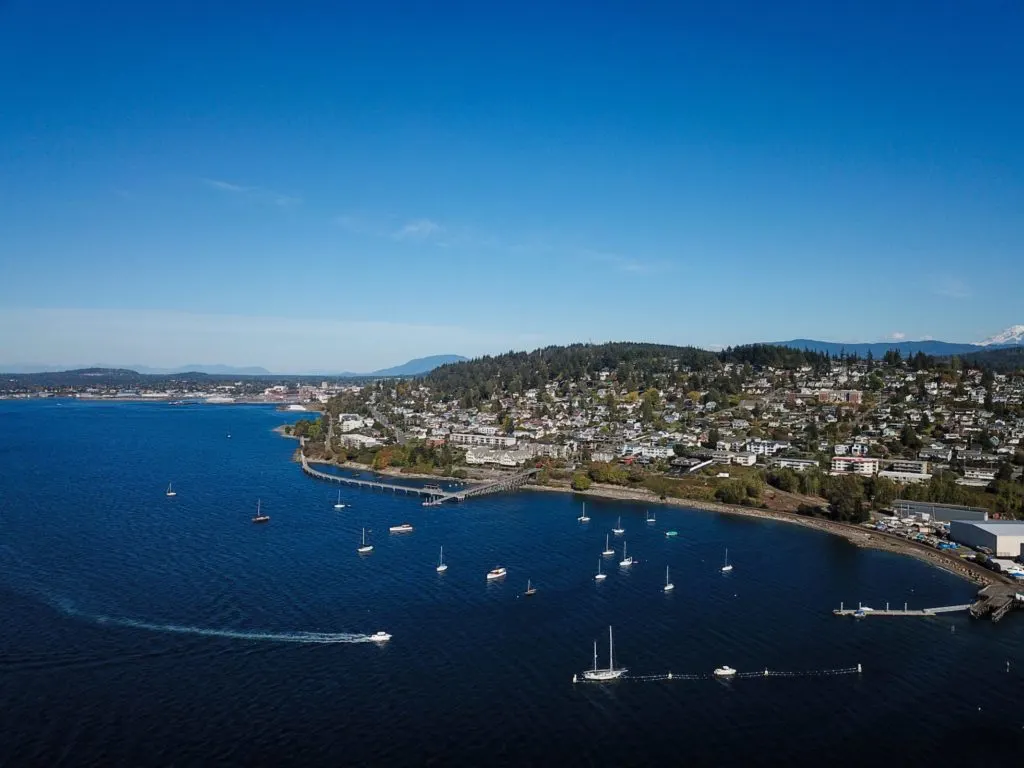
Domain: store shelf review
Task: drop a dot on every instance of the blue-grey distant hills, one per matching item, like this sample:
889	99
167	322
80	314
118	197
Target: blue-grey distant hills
878	349
419	366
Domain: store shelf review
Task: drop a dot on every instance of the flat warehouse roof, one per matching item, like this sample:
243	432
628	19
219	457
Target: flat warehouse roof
998	527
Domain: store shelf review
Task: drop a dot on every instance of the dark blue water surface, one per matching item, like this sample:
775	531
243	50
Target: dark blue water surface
143	630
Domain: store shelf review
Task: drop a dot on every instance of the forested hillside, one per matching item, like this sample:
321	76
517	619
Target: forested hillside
637	363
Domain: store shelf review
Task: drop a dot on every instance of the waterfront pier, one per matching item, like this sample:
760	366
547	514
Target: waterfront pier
434	495
995	600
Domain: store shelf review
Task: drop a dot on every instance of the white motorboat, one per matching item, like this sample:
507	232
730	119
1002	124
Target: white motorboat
583	517
669	586
441	565
403	528
170	491
608	551
626	560
600	576
496	573
727	567
618	530
725	672
380	637
605	675
364	547
338	504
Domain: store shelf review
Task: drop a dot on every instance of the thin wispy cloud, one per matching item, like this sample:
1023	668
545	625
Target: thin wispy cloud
897	336
418	229
623	263
952	288
254	194
425	230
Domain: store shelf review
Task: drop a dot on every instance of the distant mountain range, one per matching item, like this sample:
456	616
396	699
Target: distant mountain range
935	348
417	367
1011	337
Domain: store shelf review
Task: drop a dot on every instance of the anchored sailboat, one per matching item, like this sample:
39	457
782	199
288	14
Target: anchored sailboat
260	517
618	530
583	517
604	675
530	589
727	567
441	566
171	491
608	551
364	547
626	561
600	576
669	586
339	505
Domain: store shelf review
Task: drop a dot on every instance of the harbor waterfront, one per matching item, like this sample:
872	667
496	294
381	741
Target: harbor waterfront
148	629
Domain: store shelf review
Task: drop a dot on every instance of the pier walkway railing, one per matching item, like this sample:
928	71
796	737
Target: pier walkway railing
862	612
434	496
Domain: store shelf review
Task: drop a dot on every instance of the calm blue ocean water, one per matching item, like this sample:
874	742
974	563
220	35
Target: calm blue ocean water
143	630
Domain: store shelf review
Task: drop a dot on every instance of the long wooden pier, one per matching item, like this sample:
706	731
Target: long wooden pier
862	612
434	496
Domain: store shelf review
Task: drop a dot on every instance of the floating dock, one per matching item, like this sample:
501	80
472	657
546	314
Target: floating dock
995	600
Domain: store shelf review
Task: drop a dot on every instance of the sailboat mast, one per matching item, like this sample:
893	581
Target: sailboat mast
595	655
611	653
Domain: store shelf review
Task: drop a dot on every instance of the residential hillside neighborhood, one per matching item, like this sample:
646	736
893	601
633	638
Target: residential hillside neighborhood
915	428
760	425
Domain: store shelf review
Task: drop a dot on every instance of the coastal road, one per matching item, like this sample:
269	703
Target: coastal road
399	434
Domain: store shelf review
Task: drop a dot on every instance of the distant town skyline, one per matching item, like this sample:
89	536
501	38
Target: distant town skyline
350	187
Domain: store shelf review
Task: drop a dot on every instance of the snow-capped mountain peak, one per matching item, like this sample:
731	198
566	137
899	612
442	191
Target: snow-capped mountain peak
1012	335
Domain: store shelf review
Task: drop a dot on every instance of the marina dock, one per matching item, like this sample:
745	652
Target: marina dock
995	600
861	611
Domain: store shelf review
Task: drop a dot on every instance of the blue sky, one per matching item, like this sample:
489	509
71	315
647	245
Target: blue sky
325	186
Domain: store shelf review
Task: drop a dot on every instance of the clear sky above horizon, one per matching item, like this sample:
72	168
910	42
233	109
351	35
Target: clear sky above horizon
343	186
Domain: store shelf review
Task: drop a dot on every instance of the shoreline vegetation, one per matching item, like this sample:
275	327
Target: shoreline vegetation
855	534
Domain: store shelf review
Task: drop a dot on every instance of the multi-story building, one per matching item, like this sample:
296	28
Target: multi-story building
858	465
798	464
491	441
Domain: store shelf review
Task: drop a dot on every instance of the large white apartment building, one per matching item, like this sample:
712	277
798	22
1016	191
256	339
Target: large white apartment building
491	441
858	465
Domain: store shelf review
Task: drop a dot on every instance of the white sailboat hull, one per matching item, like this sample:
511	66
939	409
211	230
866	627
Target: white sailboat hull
603	675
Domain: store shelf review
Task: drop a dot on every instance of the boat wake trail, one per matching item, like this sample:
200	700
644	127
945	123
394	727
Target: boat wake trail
308	638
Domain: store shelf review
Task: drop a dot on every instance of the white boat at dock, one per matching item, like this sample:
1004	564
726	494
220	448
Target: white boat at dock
725	671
